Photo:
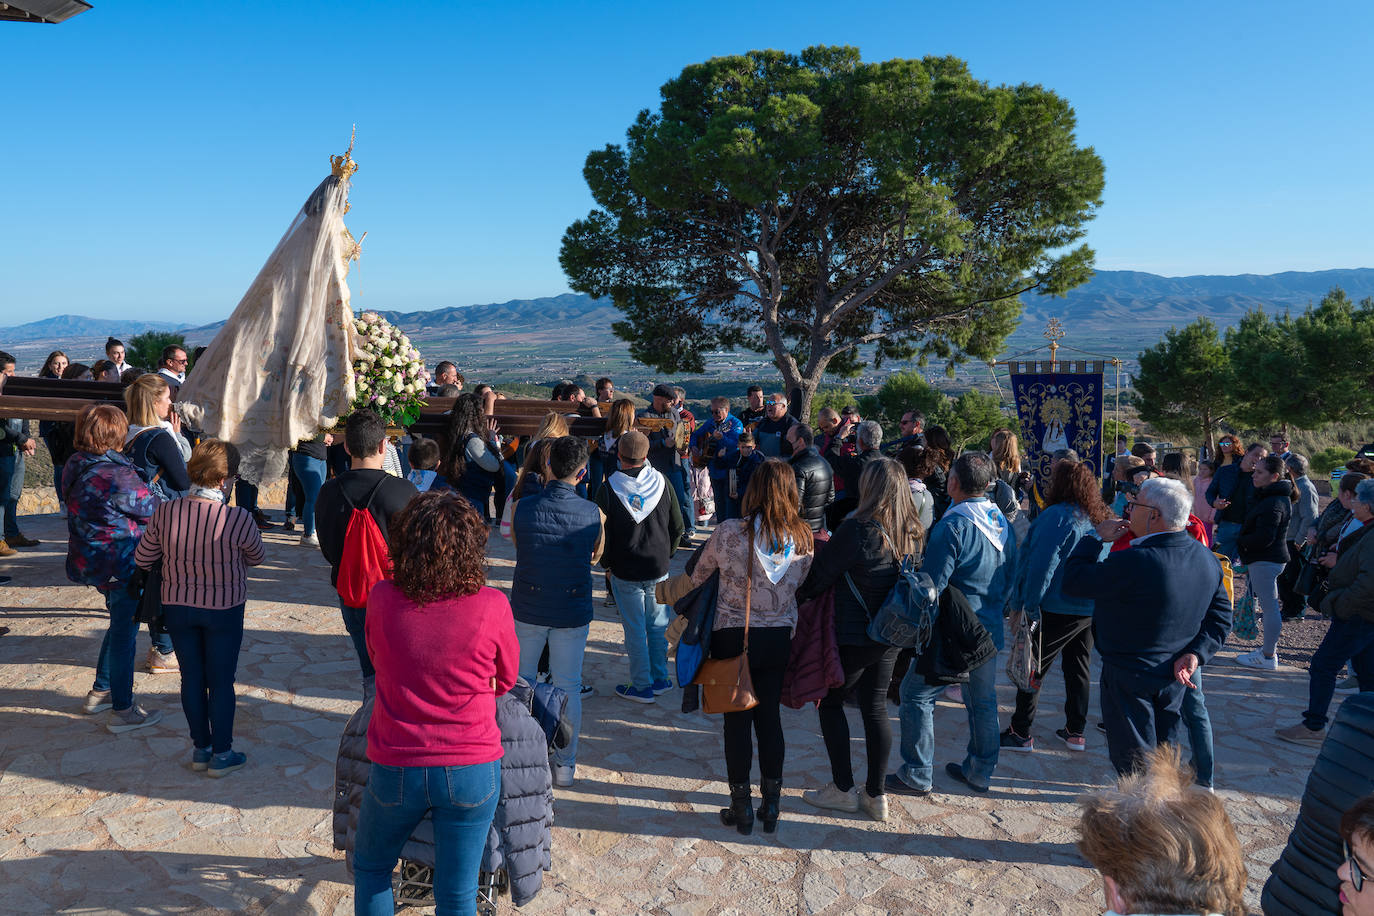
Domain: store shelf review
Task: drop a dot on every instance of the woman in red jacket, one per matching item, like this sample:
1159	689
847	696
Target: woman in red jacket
444	647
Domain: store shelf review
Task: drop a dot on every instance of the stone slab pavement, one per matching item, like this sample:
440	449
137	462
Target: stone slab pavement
95	823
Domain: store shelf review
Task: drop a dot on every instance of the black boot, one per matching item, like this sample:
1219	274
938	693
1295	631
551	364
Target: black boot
771	790
740	814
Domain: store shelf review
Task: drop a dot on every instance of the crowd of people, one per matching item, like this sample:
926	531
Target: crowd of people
810	524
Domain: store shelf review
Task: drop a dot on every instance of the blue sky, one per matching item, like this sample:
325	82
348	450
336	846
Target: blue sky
154	153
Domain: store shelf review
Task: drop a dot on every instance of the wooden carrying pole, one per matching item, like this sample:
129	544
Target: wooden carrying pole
62	401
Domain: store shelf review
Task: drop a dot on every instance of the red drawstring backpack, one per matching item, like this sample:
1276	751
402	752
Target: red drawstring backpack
366	559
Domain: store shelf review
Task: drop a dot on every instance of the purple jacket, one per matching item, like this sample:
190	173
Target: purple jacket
108	507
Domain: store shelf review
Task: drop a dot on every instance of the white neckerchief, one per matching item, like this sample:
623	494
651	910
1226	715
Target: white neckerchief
639	494
211	493
179	376
986	517
774	564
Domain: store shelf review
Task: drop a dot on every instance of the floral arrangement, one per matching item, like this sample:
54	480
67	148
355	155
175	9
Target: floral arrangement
389	374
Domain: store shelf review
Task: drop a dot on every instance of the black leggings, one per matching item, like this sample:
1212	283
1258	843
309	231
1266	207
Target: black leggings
769	648
1070	637
867	671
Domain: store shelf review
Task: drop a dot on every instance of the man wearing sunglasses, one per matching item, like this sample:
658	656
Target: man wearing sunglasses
771	433
1160	611
172	367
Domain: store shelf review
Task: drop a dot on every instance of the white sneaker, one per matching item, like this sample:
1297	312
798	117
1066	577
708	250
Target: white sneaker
831	797
309	540
562	776
876	808
1257	659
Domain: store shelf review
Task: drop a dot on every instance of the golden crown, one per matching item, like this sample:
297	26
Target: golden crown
344	166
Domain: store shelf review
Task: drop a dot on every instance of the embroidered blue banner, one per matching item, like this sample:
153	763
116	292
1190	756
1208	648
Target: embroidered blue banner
1058	410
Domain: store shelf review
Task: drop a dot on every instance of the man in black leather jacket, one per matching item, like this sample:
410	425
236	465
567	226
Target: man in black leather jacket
815	482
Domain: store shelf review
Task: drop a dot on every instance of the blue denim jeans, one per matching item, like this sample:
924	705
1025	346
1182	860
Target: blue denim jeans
354	618
461	801
11	485
918	726
677	479
207	643
114	669
1225	542
567	646
1352	639
311	474
645	622
1199	725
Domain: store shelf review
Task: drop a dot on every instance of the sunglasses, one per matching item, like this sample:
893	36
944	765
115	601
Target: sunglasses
1356	872
772	403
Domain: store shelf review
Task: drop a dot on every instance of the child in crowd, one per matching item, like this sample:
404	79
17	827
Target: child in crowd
749	459
1163	845
424	461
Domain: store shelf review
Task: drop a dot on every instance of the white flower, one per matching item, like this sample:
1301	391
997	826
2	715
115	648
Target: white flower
386	362
381	400
397	386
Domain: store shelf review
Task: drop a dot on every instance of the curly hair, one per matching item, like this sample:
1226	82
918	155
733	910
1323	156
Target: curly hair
1071	482
438	547
919	462
1167	844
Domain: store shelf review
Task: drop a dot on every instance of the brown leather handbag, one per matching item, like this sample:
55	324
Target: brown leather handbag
726	685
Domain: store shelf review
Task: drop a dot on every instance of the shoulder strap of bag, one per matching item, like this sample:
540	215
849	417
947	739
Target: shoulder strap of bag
748	586
367	503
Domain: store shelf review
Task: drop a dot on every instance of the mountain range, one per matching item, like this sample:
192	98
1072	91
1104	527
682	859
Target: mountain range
1117	313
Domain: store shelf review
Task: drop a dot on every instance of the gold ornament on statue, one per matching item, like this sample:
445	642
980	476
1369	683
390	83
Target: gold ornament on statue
344	166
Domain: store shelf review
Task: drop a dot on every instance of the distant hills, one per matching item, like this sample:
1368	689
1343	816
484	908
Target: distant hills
79	326
1118	312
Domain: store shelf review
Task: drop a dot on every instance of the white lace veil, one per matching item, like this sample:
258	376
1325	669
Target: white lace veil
281	368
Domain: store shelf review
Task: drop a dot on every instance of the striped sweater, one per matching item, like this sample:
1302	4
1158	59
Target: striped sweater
206	548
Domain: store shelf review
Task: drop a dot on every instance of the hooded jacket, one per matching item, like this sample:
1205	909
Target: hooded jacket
109	508
1263	535
639	551
520	841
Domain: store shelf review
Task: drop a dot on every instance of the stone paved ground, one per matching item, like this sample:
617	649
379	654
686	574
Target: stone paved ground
91	822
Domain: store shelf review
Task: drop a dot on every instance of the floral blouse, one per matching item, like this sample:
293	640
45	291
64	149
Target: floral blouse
773	605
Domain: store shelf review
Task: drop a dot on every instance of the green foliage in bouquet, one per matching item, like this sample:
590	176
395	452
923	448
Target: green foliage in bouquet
389	373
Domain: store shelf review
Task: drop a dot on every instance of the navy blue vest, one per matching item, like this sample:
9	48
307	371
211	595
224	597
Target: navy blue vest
555	532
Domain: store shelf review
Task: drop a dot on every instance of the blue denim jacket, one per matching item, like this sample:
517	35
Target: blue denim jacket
1040	572
960	555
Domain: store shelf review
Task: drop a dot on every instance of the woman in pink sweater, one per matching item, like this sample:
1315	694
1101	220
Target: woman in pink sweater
444	647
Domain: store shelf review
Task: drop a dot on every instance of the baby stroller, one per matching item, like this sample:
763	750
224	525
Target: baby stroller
546	706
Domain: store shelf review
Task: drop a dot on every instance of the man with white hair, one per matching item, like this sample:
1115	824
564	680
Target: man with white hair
1160	611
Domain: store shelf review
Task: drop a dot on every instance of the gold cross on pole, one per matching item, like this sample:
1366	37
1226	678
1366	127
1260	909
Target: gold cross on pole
1053	332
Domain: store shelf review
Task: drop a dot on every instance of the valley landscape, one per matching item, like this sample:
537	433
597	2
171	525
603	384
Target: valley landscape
533	341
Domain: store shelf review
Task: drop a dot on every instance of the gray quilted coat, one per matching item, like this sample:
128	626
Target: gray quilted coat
521	838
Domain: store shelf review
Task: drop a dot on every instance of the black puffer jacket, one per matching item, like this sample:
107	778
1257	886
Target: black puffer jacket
521	837
1303	880
815	485
857	548
1263	536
